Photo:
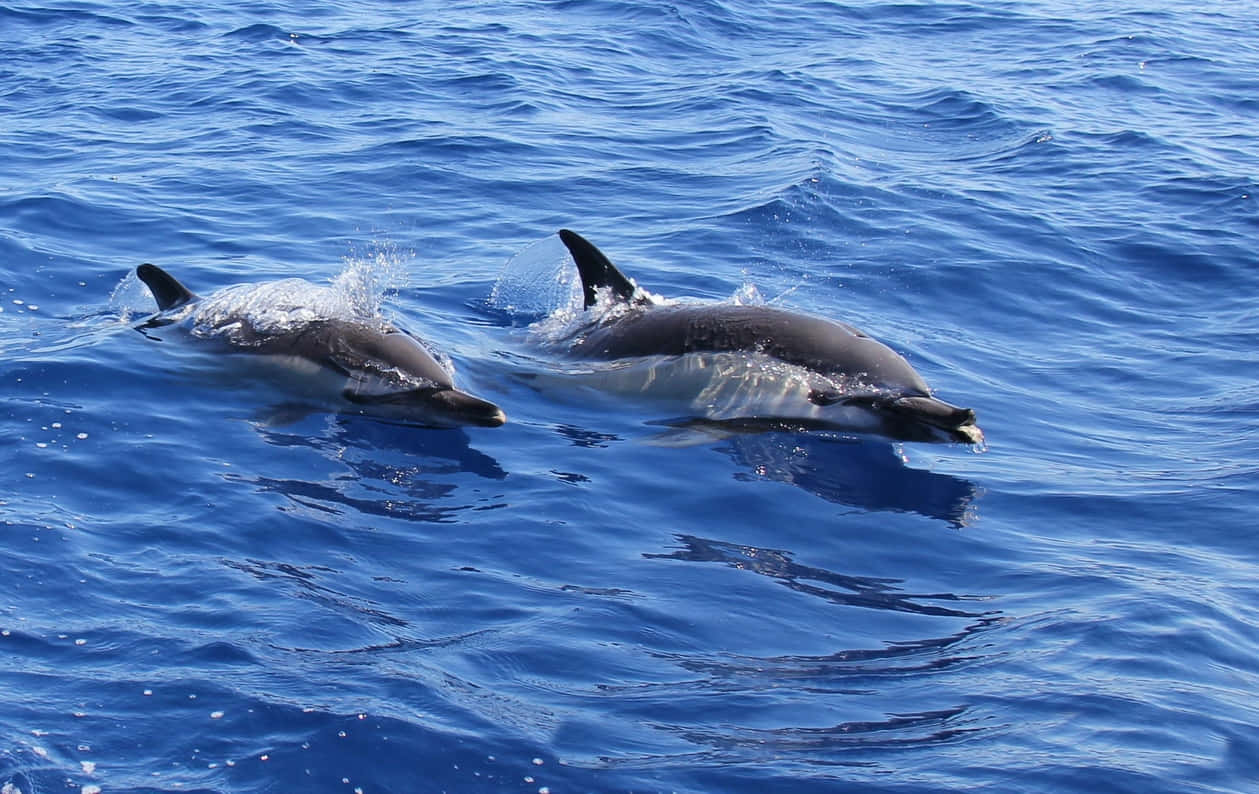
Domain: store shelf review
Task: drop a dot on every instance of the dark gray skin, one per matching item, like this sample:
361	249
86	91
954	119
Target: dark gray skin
872	375
382	366
827	347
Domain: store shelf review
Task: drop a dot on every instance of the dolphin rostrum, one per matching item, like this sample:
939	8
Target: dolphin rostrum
843	377
377	367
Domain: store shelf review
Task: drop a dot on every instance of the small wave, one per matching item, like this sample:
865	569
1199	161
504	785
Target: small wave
956	109
896	730
828	585
260	32
60	16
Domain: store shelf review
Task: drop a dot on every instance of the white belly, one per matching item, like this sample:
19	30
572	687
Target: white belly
721	387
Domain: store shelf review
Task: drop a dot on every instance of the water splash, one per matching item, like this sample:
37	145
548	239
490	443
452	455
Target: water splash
130	298
271	307
539	280
356	293
369	276
748	295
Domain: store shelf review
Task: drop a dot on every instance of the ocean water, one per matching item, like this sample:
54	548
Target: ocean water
1047	207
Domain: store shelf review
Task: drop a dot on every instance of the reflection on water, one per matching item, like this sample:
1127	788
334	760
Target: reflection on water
844	700
581	437
322	496
418	485
861	591
443	451
898	730
306	579
865	473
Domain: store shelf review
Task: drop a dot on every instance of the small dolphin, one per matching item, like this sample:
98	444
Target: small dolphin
839	376
377	367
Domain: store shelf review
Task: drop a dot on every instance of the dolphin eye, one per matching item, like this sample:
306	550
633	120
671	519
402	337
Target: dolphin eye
854	330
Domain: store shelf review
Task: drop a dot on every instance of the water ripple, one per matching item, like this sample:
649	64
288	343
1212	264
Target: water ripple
1049	209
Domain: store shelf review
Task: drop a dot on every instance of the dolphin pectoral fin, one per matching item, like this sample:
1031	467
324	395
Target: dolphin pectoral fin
596	270
167	291
360	398
825	397
366	388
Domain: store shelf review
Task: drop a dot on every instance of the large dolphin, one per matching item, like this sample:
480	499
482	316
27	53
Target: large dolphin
840	377
378	368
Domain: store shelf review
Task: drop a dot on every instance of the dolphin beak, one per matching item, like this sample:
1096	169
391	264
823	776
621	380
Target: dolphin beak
968	434
465	409
495	419
958	423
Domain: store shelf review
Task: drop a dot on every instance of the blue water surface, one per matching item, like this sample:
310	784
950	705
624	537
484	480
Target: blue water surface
1048	207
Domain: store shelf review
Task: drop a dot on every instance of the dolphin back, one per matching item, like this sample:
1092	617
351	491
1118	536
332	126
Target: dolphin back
595	269
823	346
167	291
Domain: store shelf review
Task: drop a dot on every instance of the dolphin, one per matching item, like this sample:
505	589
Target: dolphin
839	376
378	368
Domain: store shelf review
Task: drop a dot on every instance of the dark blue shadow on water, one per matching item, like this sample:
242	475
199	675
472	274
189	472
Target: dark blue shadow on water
838	588
939	635
306	579
447	450
951	638
419	484
864	473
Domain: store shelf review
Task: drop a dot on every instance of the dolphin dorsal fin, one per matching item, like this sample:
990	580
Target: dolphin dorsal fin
168	292
596	270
